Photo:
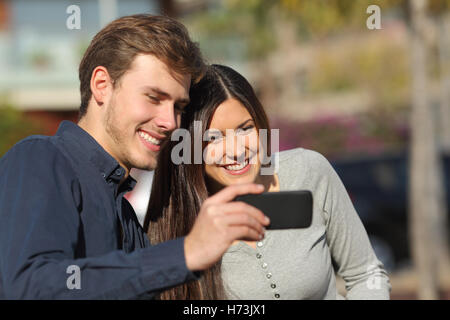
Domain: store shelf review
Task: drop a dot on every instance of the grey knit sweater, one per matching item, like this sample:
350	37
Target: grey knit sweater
298	263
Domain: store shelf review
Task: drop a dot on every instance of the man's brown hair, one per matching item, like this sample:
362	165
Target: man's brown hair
117	44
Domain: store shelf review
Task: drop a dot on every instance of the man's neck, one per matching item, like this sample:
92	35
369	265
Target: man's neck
98	136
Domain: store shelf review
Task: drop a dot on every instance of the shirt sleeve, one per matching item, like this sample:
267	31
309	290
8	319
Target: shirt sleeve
39	229
356	262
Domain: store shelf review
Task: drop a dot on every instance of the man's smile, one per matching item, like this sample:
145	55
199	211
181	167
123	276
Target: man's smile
149	140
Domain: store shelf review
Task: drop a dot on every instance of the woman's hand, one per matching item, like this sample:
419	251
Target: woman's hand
220	222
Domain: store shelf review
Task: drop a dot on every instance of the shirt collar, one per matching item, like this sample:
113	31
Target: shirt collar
82	144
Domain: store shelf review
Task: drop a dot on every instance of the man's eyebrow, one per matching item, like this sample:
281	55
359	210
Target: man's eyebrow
166	95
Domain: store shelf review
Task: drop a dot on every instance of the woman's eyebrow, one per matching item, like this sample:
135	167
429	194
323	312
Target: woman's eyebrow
244	123
214	130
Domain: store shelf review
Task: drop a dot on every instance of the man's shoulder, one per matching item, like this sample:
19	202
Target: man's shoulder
35	151
30	143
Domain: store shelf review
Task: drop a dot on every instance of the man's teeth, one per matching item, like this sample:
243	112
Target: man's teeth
237	166
149	138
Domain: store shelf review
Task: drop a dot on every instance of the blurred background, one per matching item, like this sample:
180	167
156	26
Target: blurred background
368	87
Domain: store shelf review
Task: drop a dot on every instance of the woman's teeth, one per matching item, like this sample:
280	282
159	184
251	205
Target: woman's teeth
149	138
237	166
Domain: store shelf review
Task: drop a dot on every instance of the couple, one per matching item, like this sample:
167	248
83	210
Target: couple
66	231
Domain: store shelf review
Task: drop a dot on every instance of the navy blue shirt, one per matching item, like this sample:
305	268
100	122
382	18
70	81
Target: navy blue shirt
63	219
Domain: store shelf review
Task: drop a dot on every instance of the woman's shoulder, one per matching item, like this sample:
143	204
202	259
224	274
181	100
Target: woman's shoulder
302	168
304	158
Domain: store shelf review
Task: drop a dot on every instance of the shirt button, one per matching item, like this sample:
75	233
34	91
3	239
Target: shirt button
264	265
258	255
118	172
273	285
269	275
259	244
277	295
103	175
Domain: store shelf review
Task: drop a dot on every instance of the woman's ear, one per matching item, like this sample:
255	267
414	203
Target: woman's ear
101	85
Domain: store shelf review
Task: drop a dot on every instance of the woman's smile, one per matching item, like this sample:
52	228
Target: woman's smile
237	168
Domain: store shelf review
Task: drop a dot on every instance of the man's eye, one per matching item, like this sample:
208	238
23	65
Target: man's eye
153	99
179	108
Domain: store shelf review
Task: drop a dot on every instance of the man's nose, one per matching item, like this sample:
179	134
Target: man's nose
166	119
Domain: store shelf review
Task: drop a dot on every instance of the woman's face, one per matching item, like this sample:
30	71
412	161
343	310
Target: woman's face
231	155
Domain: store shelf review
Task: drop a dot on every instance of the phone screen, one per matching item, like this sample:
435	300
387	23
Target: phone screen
285	209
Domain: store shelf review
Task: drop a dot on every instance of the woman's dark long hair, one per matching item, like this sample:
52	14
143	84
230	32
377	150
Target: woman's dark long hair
178	191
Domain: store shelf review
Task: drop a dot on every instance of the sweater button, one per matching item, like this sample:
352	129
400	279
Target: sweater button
273	285
258	256
269	275
277	295
264	265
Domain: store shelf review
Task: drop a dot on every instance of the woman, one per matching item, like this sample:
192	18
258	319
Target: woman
286	264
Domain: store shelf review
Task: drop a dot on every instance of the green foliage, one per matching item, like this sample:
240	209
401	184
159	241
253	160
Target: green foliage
436	7
376	66
81	48
346	58
245	23
254	20
14	127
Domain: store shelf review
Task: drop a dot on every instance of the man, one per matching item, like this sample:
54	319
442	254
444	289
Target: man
65	229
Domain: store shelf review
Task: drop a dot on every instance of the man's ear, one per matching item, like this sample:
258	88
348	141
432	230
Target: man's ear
101	85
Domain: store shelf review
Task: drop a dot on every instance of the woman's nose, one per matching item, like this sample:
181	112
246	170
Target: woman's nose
235	147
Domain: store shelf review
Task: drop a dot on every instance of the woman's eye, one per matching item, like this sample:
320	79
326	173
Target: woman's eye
215	138
244	130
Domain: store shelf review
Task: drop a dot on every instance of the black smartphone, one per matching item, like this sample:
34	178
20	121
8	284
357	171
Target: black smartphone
285	209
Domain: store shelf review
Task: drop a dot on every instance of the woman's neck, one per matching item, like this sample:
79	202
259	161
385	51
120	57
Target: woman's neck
270	182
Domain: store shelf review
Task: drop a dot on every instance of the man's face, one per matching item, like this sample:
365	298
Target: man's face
144	108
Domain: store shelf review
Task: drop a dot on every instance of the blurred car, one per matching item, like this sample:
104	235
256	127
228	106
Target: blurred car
378	187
